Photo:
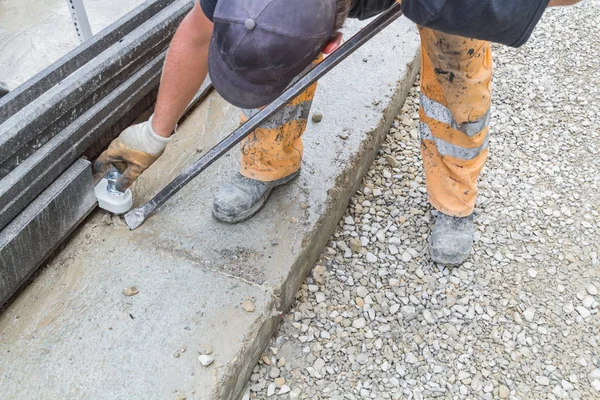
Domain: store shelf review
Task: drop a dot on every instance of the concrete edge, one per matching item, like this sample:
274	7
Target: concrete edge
232	383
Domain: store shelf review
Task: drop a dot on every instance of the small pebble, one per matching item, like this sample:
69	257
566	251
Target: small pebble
584	312
206	360
406	257
279	382
359	323
371	258
274	372
285	389
503	392
271	389
130	291
532	272
542	380
529	314
248	305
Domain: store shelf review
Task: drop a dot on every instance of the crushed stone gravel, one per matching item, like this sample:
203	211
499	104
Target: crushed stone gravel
518	320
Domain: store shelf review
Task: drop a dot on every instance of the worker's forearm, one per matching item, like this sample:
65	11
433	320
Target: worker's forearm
185	69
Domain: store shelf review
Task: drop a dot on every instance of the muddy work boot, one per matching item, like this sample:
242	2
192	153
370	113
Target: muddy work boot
243	197
451	240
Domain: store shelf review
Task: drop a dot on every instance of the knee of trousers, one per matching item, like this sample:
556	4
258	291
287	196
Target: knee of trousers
274	150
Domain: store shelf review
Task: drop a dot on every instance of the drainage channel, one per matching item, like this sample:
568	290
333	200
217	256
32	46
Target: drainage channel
73	109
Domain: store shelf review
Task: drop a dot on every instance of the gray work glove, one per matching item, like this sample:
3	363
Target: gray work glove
131	153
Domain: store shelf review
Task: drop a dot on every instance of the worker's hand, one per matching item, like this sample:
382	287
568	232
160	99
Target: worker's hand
131	153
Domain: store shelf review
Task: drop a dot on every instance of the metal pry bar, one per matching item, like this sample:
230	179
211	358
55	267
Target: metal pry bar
137	216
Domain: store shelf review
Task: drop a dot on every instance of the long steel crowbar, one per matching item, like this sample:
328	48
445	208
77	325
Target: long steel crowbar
137	216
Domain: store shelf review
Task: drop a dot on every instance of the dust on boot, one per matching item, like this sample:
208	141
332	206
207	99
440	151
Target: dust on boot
242	197
451	240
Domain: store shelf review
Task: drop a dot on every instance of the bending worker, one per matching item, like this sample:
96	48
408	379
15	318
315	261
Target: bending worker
254	49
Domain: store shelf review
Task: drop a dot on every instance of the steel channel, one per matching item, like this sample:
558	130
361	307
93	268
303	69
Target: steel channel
20	129
82	54
30	178
43	225
82	106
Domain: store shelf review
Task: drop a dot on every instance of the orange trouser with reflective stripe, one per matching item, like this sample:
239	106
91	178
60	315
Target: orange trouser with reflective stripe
456	77
455	100
274	150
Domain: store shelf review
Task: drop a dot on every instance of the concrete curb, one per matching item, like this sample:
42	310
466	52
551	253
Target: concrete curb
73	333
348	181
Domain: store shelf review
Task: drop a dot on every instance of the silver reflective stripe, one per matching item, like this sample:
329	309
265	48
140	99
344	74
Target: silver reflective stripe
283	116
435	110
449	149
441	113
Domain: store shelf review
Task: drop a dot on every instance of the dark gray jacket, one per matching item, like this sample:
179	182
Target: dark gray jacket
509	22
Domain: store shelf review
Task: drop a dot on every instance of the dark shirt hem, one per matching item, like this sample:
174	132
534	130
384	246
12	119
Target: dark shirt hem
529	30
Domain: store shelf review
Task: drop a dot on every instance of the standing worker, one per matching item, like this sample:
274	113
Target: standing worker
254	49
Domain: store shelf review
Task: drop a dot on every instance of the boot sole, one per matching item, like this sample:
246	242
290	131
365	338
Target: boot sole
245	215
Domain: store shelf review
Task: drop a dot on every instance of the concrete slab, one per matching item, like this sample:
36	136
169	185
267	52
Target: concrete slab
78	336
66	313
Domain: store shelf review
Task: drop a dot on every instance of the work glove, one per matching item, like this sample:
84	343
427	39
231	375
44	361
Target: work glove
136	148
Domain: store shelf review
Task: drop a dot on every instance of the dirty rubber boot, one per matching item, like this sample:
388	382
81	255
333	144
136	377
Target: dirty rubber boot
451	240
243	197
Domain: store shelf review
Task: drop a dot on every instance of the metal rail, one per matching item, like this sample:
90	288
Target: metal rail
43	225
137	216
36	123
74	107
49	77
32	176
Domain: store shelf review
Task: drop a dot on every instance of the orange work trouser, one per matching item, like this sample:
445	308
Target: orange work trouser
274	150
456	78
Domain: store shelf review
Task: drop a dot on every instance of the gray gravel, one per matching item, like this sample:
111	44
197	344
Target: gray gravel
377	320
